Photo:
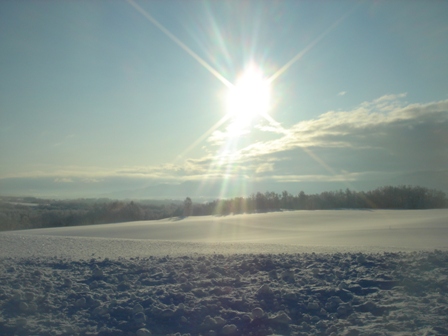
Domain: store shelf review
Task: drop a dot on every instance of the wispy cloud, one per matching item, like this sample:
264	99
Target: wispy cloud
63	180
265	167
342	93
379	138
386	134
371	125
91	180
343	176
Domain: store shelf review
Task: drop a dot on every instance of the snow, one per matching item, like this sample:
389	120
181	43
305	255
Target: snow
374	273
278	232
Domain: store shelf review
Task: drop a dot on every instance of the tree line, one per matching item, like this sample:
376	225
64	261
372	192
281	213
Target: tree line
45	213
388	197
28	213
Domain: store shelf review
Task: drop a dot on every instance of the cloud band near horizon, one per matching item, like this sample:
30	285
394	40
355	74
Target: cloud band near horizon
384	137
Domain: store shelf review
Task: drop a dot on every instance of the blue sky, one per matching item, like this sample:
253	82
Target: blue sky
98	97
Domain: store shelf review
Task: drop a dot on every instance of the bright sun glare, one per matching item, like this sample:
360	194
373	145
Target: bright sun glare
249	98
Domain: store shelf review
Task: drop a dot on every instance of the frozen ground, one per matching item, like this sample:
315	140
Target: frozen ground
235	275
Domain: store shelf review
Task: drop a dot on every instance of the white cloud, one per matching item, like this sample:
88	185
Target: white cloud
265	167
217	138
63	180
342	93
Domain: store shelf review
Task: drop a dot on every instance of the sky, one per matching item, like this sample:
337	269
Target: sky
221	98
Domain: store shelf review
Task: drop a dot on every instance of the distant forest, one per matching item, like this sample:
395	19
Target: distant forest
29	212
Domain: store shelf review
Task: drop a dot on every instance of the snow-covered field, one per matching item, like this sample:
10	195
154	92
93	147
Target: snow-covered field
278	232
288	273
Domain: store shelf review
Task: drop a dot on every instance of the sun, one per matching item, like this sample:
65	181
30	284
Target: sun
249	98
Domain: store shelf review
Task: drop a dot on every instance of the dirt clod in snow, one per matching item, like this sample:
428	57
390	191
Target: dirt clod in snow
240	294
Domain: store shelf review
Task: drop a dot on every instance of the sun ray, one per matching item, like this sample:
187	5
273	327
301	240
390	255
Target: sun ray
319	161
275	123
201	61
203	136
219	37
310	46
